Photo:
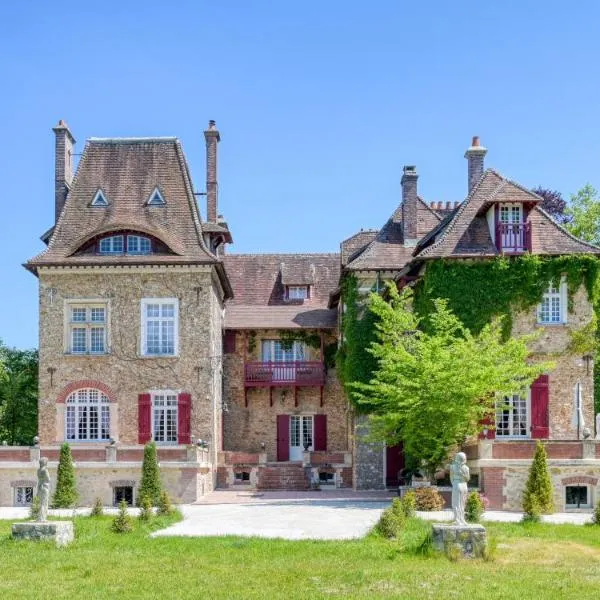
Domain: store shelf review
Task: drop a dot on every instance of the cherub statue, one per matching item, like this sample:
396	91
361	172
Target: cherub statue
459	476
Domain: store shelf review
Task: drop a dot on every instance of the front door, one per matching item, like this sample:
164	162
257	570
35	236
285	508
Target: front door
301	435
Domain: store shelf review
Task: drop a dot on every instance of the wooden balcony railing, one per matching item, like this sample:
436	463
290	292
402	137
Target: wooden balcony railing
280	374
513	238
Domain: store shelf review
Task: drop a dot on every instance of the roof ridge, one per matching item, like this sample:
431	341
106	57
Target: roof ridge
131	140
292	254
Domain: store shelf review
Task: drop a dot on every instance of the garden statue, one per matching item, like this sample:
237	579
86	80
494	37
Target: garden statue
459	476
43	488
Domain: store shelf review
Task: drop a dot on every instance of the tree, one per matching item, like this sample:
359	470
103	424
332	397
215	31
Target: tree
538	496
584	214
66	494
553	203
433	390
18	395
150	486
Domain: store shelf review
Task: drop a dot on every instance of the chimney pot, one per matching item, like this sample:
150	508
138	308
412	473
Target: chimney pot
448	205
475	141
440	205
456	204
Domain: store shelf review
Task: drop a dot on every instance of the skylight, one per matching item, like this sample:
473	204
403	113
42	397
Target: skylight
99	199
156	198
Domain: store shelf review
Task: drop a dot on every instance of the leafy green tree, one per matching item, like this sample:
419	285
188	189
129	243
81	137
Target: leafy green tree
433	390
18	395
150	486
66	494
538	496
584	214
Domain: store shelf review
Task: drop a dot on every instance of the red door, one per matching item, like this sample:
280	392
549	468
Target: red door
283	437
394	464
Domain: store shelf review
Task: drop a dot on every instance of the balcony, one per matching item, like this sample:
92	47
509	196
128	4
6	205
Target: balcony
284	374
513	238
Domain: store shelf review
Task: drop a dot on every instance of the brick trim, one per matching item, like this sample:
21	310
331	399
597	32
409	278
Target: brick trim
579	479
23	483
85	383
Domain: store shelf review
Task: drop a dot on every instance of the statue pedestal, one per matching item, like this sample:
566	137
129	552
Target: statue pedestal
61	532
470	540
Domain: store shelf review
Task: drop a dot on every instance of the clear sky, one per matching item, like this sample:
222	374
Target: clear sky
319	104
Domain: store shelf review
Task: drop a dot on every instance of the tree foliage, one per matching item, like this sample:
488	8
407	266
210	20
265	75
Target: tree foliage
584	214
433	389
538	495
150	486
18	395
66	494
553	203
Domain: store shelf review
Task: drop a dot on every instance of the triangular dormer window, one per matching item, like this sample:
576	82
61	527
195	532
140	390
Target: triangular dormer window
156	198
99	199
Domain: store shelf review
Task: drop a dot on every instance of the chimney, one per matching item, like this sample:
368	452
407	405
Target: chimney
409	204
212	137
63	165
475	155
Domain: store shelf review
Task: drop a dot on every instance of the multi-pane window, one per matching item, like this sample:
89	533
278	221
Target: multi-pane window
160	326
577	496
301	431
297	292
277	351
136	244
111	245
512	416
23	496
87	416
123	492
164	417
552	308
86	328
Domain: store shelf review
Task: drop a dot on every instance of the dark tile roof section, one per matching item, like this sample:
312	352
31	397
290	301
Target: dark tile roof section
127	171
279	317
427	218
350	248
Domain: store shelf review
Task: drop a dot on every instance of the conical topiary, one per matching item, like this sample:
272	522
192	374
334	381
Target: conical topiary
66	495
538	496
145	509
150	486
164	504
122	522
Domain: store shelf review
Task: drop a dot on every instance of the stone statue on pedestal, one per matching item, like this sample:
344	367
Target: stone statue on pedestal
459	476
43	488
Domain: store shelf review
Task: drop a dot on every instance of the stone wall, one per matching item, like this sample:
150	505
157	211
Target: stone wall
123	370
368	460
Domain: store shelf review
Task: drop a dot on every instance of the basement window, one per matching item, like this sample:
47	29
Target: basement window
242	477
123	492
326	478
23	496
578	496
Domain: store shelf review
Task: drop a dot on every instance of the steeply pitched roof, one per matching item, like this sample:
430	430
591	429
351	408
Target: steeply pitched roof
128	170
353	245
259	282
466	233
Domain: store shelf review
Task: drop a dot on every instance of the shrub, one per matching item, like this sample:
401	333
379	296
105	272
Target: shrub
66	494
122	522
145	509
538	494
97	509
474	507
428	499
409	504
150	485
35	508
391	523
164	504
596	517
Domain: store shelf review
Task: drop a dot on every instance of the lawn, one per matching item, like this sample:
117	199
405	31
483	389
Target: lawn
532	561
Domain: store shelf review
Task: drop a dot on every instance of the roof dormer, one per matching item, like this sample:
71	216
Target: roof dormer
155	198
99	199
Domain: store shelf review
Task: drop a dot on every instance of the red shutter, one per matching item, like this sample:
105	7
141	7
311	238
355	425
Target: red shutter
144	418
320	433
283	437
184	409
488	424
229	342
540	397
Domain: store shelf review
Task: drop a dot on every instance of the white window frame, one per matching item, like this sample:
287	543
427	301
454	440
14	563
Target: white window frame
81	399
550	295
88	324
151	202
165	396
100	199
512	435
112	242
298	292
144	325
139	240
590	500
268	350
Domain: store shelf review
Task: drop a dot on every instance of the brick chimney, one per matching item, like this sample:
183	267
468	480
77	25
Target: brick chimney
212	137
409	204
63	165
475	155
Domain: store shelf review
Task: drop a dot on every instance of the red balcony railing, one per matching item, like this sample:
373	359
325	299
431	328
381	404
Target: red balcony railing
513	238
272	374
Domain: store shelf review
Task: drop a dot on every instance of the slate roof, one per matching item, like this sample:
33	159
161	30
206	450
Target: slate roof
259	281
127	170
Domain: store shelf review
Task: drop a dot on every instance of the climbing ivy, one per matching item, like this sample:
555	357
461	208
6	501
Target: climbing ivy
287	337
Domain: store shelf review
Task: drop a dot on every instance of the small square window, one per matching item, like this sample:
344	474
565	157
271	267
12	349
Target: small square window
123	492
297	292
577	496
242	477
98	315
326	478
78	315
23	496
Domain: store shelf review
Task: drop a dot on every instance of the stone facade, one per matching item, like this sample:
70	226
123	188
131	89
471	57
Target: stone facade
368	458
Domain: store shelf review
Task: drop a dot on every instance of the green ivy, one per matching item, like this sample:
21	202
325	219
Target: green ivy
287	338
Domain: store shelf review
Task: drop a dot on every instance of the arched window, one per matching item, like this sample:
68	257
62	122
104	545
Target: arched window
125	244
87	416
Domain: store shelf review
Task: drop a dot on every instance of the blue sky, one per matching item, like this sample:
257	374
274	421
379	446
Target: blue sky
319	105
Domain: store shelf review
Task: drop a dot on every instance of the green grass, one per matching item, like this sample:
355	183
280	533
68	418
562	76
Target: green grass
532	561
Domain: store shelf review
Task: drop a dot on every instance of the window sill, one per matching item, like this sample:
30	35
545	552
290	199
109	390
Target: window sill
86	354
539	324
512	438
158	355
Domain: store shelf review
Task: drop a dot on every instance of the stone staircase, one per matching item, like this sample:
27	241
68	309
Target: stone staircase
282	476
